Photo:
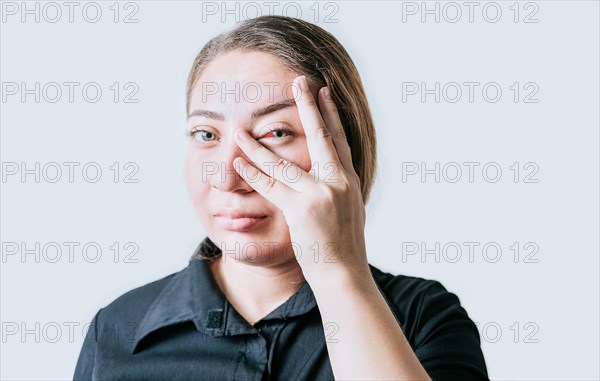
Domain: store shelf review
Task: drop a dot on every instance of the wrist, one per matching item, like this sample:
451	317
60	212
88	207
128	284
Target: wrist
341	280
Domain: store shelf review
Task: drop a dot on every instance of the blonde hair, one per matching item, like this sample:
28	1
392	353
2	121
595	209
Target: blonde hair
309	50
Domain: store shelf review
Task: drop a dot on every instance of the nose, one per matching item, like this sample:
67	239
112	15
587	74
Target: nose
227	178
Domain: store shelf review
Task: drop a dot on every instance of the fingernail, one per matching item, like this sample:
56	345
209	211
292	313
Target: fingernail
296	91
302	81
326	94
241	134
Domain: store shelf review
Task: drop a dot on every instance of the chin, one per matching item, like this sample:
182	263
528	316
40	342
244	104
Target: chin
256	247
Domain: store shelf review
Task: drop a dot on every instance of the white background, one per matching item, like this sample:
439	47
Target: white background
538	320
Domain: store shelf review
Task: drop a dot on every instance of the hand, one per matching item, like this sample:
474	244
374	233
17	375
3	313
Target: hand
324	209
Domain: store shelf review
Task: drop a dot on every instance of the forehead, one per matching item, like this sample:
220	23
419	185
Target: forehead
242	80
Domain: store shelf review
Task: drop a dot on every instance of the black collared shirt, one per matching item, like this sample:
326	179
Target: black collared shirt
182	327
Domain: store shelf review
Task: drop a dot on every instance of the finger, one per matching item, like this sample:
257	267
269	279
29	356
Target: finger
318	138
274	191
274	166
332	120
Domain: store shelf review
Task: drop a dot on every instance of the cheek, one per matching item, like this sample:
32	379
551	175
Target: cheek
304	161
297	153
196	184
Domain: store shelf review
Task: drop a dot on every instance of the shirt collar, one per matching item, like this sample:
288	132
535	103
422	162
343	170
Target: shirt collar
193	295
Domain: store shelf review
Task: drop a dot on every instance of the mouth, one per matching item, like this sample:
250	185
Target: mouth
240	223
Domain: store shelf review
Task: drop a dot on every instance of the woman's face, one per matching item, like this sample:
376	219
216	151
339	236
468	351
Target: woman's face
250	91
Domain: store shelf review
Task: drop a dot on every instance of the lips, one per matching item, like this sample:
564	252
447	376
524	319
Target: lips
233	214
239	220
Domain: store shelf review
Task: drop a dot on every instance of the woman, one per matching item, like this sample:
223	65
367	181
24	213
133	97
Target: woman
280	163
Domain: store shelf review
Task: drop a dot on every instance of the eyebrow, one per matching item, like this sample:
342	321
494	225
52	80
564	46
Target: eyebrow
256	114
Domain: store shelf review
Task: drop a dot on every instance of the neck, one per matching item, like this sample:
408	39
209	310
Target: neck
254	291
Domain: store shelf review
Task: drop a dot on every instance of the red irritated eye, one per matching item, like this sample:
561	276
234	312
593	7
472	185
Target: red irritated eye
278	133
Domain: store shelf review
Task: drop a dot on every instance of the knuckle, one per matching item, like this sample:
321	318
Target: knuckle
345	185
323	132
272	186
328	194
281	165
331	107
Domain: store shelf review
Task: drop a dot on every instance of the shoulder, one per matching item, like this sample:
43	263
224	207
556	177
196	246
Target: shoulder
445	339
419	304
113	327
131	306
408	288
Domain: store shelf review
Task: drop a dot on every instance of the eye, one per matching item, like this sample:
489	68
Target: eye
204	136
278	132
